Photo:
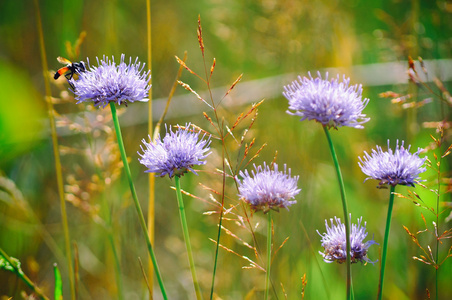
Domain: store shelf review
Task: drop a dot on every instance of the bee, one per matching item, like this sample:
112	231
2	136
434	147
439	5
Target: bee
70	69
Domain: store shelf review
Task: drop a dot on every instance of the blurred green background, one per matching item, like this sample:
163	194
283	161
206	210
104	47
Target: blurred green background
262	40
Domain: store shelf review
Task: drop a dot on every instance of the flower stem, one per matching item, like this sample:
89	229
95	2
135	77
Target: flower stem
22	276
269	254
345	210
385	244
220	224
438	195
183	221
135	198
216	252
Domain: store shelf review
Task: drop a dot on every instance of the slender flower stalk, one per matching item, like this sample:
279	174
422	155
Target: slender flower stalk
111	83
175	155
266	189
183	220
345	211
135	198
333	104
269	254
385	242
398	167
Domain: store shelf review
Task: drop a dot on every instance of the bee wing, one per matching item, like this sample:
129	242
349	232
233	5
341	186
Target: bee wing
64	60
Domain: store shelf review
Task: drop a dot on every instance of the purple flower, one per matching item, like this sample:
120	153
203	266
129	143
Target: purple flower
334	242
176	154
109	82
332	103
393	167
268	189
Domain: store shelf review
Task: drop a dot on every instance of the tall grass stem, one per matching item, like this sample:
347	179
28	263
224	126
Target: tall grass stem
135	198
385	243
345	211
183	220
151	199
56	152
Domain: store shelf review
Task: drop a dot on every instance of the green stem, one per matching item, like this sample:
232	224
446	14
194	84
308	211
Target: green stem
436	277
216	253
135	198
385	243
345	211
23	277
183	221
437	221
220	224
269	254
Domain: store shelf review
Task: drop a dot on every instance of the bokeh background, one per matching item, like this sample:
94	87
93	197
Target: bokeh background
270	42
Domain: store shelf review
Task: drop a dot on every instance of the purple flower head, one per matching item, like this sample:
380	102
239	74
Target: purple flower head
176	154
268	189
334	242
331	103
393	167
109	82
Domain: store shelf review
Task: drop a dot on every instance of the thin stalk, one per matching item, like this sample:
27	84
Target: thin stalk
436	270
23	277
122	150
220	224
269	254
437	239
56	152
437	220
220	131
345	211
151	199
183	221
385	243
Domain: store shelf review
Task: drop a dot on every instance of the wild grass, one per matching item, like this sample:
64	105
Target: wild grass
64	198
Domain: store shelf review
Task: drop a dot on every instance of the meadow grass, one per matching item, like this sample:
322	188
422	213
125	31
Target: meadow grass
80	212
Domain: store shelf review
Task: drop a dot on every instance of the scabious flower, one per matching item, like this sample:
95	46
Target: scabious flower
393	167
109	82
334	242
268	189
176	154
331	103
